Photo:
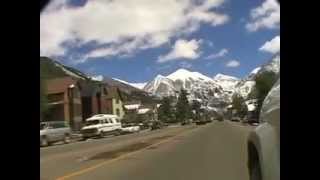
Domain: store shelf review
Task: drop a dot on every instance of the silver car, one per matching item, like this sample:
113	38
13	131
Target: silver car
264	141
54	131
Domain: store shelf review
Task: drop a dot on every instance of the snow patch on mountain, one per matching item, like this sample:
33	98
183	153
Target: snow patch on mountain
97	78
136	85
227	82
160	86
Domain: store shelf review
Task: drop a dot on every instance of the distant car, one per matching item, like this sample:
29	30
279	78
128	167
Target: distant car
201	122
54	131
130	128
235	119
101	125
264	142
144	126
186	122
156	125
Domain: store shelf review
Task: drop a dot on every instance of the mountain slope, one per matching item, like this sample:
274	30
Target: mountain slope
246	85
227	83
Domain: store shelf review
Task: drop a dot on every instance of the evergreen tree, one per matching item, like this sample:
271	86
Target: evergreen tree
166	110
239	105
196	109
183	109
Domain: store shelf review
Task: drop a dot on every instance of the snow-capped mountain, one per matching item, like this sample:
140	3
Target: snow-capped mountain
161	86
227	83
198	86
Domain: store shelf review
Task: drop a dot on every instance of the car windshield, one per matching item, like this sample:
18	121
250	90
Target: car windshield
42	126
92	122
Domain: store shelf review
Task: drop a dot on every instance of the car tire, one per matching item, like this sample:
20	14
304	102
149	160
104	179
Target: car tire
255	173
66	139
118	132
44	142
101	134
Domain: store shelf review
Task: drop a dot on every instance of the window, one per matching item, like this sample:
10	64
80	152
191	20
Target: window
118	112
92	122
110	121
55	97
106	121
58	125
117	120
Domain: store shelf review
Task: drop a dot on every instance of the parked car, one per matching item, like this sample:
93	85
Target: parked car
101	125
54	131
235	119
144	125
186	122
200	122
264	142
156	125
129	128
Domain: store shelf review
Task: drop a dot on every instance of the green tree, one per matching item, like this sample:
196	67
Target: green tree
166	110
196	105
183	109
239	105
264	83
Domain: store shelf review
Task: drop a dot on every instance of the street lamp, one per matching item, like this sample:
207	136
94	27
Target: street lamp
70	96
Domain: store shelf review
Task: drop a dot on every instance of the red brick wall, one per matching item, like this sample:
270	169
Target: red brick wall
108	106
94	105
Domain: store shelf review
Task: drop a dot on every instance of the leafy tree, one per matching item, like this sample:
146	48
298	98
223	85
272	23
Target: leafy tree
239	105
183	109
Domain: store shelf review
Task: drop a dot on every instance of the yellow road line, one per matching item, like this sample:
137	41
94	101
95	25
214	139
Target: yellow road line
116	159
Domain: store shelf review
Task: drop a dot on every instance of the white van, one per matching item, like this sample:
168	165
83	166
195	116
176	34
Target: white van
100	125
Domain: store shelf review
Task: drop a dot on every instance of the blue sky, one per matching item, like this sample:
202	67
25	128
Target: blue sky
82	35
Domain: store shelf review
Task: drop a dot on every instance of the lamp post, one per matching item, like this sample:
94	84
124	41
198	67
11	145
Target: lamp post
70	96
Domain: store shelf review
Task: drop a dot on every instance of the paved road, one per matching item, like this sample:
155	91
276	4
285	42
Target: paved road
213	151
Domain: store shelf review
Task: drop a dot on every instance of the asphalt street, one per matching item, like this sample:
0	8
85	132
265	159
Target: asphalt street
212	151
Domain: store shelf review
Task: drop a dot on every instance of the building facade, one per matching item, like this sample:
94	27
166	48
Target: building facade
64	101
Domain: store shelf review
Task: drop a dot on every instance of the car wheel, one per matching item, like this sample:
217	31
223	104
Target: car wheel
102	134
66	139
118	132
44	141
255	173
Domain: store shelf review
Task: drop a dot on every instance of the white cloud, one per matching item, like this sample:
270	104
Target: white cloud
182	50
221	53
233	63
123	26
265	16
272	46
